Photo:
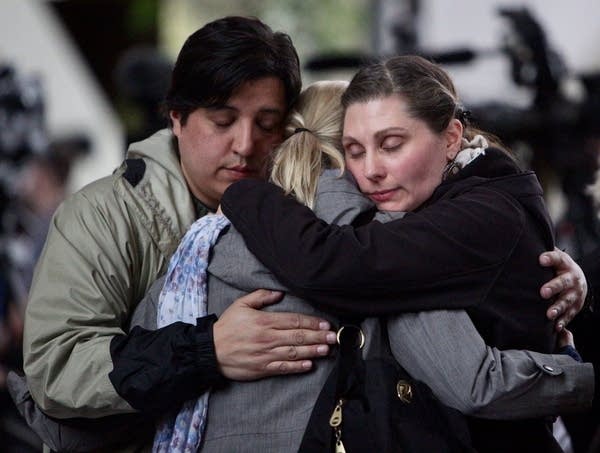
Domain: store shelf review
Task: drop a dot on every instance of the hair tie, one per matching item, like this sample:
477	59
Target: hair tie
300	129
466	116
463	115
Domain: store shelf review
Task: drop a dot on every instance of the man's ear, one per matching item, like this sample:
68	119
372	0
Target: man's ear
176	122
453	136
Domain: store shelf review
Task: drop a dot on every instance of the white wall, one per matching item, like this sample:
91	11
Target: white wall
33	40
572	29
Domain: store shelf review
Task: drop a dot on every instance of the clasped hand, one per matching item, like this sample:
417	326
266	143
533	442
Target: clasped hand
569	287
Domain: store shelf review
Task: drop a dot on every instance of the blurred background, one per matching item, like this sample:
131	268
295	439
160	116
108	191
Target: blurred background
79	79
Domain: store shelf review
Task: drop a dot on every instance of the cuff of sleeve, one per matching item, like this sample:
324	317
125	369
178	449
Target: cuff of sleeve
574	378
204	354
570	351
197	354
155	370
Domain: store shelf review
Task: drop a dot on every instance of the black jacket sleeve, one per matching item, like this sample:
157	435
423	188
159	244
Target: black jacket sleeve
157	370
379	269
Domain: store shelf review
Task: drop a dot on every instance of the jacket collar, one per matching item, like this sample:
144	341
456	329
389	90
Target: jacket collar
496	168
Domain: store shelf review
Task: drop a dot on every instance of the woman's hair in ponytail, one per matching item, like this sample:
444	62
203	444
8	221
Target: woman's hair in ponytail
313	132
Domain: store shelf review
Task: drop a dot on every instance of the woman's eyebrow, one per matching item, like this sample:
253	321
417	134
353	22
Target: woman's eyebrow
386	131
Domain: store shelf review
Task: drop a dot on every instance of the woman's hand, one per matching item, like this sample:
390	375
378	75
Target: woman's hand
569	286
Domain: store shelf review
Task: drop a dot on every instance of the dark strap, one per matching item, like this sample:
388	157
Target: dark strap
351	375
346	380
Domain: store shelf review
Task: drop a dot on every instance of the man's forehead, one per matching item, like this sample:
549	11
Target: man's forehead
266	110
267	92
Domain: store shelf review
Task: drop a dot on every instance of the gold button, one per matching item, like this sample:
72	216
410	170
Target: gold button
404	391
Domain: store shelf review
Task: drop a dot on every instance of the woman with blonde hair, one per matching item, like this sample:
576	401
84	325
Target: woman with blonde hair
299	161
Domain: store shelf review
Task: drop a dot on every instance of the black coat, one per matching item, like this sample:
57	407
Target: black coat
474	245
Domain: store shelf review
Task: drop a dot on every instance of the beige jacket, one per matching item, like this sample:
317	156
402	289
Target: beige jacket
106	245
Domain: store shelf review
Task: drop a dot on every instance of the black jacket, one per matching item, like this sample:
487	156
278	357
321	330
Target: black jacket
474	244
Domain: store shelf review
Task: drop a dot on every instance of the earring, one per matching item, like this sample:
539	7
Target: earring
450	169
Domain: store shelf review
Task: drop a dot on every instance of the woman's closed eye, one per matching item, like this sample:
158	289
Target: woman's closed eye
391	143
353	150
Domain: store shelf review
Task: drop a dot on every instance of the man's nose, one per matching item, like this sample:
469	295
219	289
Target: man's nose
243	143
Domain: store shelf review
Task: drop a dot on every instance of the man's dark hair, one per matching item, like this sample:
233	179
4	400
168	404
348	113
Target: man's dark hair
224	54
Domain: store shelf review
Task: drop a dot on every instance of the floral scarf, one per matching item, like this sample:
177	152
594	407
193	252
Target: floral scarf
184	298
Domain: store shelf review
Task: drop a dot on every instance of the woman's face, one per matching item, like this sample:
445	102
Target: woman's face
396	160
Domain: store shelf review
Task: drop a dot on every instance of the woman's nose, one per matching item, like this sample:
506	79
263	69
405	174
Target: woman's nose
373	168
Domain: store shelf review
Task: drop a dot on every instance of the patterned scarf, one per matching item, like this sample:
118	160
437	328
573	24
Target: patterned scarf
184	298
470	151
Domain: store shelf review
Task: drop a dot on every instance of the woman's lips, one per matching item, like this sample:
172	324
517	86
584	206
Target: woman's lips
382	195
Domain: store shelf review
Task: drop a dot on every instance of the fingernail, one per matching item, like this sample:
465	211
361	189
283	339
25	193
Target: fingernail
324	325
307	364
322	349
546	292
553	313
561	325
331	338
545	259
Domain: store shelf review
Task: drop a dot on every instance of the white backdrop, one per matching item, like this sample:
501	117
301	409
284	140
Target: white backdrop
33	40
572	29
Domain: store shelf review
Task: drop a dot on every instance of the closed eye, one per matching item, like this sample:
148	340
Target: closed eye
269	124
353	151
391	143
222	118
223	124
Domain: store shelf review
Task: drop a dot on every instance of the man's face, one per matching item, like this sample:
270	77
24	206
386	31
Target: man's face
221	145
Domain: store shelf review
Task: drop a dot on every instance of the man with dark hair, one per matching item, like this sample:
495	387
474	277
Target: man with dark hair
233	84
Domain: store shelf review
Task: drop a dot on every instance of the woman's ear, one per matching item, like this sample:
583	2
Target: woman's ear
453	138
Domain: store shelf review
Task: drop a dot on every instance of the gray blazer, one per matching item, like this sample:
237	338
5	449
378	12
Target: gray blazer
441	348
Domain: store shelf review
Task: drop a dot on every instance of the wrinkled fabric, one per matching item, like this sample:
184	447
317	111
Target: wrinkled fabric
106	245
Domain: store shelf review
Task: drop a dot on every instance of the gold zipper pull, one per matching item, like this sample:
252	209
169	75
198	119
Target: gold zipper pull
339	446
336	416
